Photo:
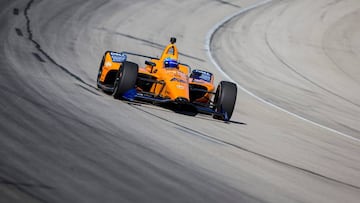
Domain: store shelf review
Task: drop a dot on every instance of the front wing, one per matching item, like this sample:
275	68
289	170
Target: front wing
133	95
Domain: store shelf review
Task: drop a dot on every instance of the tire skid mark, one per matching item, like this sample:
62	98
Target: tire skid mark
228	3
180	127
89	90
23	184
38	57
47	56
16	11
23	187
197	133
238	147
19	32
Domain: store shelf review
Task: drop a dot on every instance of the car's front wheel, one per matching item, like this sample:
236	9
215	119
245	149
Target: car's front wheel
125	78
224	101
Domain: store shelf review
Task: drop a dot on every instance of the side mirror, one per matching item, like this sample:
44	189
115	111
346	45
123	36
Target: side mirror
150	63
172	40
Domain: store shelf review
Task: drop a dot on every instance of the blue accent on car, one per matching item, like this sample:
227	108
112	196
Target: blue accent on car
170	63
130	94
201	75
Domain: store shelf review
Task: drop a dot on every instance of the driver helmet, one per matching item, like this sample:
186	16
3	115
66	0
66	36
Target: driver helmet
170	63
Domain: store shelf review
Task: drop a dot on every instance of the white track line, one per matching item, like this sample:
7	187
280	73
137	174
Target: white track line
209	37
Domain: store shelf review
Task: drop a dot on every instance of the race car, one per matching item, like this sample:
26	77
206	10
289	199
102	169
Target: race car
165	80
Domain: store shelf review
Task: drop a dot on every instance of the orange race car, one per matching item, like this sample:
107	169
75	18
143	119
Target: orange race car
165	80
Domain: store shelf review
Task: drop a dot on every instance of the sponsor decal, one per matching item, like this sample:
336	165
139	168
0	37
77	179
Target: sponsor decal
199	81
177	80
108	64
118	57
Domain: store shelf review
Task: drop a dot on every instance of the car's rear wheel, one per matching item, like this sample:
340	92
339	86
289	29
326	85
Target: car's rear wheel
224	101
125	79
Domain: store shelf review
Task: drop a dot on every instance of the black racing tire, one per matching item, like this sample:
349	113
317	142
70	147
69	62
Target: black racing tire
125	79
100	69
225	99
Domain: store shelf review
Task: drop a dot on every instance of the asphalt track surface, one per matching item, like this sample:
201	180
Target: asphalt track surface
294	136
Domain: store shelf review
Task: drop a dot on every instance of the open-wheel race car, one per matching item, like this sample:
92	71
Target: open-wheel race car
165	80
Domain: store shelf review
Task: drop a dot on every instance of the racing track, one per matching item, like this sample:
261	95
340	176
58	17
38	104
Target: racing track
64	141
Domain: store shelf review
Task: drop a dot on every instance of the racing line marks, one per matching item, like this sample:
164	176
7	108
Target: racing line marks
238	147
47	56
208	40
293	69
181	127
197	133
26	188
194	132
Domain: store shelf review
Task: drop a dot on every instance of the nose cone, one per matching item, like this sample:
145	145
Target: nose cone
176	89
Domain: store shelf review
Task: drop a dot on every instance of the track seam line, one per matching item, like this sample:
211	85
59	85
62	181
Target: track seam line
209	38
